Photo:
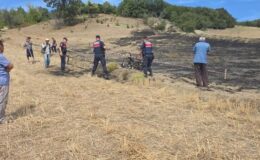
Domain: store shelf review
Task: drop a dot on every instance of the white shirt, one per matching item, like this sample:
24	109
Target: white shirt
47	49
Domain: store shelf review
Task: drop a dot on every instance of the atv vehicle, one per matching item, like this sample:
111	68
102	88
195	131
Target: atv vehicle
133	62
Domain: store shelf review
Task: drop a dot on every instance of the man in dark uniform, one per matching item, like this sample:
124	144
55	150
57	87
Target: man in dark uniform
63	53
147	53
99	51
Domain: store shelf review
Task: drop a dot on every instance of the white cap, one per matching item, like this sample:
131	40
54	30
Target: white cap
47	39
202	39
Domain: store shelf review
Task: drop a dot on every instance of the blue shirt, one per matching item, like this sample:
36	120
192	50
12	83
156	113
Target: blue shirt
4	75
201	50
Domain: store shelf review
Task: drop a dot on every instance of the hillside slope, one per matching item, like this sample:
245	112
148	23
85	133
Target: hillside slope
76	116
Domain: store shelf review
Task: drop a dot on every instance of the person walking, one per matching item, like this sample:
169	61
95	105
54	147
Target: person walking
5	68
201	50
63	53
148	56
29	49
99	55
46	51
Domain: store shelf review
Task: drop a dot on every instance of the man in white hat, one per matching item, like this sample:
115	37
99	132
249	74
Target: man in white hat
46	51
201	50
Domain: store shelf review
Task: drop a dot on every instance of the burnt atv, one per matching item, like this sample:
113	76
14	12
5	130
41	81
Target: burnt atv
133	62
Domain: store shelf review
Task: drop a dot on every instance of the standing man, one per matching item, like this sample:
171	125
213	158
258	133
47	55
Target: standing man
201	50
148	56
99	51
29	50
5	68
46	51
63	53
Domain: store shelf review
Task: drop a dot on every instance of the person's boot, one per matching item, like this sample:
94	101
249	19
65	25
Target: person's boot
92	74
151	73
106	76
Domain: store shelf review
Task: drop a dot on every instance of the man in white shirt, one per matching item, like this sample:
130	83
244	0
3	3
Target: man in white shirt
46	51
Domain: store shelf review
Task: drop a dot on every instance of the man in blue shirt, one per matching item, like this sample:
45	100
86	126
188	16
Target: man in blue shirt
201	50
5	68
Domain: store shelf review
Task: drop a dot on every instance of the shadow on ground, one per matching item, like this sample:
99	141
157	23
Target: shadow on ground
23	111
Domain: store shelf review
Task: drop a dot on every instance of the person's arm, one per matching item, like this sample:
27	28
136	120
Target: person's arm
25	45
103	46
209	49
142	49
194	49
43	46
9	67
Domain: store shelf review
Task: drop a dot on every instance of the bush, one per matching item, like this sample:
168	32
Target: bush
112	66
161	26
137	77
117	23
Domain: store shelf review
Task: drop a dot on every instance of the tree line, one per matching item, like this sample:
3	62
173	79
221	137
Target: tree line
255	23
186	18
19	17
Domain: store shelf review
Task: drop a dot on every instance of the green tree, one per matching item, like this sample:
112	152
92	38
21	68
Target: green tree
66	9
107	8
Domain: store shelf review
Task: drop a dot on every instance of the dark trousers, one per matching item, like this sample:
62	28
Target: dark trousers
54	49
29	53
63	61
148	60
201	74
102	59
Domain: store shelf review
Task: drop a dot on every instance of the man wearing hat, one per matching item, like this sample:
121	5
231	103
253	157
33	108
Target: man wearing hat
46	51
99	55
201	50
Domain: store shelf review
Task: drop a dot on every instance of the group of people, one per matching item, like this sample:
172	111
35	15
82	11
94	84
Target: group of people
47	49
200	49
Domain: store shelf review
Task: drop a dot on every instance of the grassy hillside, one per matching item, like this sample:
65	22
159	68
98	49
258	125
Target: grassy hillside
75	116
236	32
187	19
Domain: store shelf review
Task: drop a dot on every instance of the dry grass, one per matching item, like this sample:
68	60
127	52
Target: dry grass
237	32
63	116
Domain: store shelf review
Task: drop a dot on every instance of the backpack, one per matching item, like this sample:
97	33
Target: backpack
43	50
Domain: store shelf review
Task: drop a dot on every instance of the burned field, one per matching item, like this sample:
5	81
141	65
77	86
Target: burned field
174	55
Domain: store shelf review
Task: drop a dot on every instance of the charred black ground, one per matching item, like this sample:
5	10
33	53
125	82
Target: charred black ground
174	58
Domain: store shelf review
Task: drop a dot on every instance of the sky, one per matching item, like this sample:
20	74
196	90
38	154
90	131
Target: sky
242	10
